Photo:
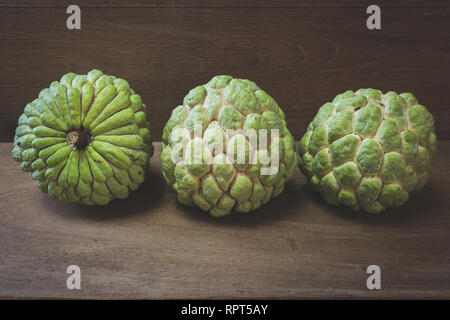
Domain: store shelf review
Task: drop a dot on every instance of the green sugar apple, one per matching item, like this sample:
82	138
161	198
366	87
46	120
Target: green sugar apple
227	147
369	150
85	139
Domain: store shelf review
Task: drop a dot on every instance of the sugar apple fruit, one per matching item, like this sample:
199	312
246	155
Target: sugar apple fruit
369	150
85	139
216	147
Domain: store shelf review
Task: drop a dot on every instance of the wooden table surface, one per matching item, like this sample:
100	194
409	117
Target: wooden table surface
149	246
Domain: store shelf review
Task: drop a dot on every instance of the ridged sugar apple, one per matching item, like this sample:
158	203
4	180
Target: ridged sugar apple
85	139
369	150
227	147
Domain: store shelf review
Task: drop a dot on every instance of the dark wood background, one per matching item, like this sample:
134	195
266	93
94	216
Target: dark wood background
149	246
301	52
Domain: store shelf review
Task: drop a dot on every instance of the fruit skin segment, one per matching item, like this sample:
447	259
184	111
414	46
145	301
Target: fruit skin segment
225	111
85	139
369	150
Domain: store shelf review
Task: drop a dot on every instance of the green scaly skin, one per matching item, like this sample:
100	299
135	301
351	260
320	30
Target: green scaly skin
110	159
369	150
216	185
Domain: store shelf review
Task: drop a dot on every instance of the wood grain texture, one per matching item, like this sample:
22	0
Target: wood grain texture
301	52
229	3
149	246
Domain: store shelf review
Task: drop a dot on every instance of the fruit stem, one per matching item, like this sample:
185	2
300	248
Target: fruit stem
78	139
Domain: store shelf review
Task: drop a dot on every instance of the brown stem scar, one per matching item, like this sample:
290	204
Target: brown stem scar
78	139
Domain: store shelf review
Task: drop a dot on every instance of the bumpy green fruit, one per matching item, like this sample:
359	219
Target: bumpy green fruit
85	139
369	150
226	125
